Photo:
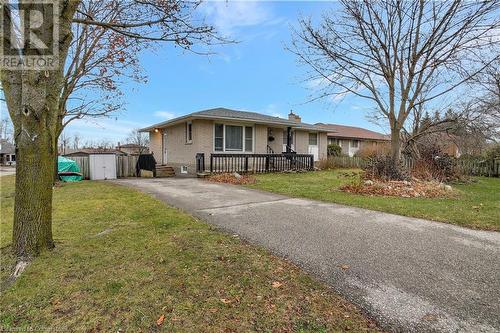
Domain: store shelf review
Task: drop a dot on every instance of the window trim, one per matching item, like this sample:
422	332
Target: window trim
186	131
243	151
309	139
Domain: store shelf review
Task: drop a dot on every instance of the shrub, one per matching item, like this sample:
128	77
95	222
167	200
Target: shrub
334	149
492	152
436	165
384	168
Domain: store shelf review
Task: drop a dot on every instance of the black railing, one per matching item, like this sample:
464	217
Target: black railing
260	163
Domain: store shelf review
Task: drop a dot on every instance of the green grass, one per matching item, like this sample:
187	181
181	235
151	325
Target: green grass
477	205
122	259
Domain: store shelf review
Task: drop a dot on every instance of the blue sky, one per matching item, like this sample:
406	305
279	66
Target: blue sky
256	74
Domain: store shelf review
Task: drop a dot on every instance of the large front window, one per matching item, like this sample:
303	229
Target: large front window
233	138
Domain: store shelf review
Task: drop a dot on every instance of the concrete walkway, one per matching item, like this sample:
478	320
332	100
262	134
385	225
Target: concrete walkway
409	274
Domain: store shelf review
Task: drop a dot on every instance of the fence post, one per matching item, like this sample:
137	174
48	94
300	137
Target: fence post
211	163
267	163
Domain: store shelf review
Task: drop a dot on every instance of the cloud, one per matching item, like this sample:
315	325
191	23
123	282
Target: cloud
273	110
164	114
229	16
103	128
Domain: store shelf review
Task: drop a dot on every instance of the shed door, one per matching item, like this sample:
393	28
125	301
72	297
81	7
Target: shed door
102	166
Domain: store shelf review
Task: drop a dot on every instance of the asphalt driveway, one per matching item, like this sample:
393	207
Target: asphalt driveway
409	274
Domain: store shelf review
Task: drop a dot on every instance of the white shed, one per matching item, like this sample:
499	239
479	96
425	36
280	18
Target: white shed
102	166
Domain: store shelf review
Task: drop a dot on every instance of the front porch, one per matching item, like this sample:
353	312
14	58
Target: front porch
253	163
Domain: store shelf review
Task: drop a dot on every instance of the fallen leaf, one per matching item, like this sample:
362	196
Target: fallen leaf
344	267
225	300
277	284
160	320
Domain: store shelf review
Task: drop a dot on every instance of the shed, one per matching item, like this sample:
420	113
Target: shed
102	166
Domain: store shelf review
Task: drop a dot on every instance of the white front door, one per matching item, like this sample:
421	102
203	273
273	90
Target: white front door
164	145
313	150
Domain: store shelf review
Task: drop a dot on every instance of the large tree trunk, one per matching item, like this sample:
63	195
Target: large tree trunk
32	97
395	145
33	200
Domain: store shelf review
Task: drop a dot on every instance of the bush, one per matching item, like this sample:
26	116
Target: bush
492	152
384	168
334	149
436	165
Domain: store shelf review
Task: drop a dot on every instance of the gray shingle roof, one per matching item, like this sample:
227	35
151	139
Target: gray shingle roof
223	113
6	147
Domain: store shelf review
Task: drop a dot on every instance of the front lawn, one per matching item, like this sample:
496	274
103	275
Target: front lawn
477	204
123	260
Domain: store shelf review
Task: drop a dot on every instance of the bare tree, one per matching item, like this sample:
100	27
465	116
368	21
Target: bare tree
64	141
140	139
6	129
400	55
35	97
76	141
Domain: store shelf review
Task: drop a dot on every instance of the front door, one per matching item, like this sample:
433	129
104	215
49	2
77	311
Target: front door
164	146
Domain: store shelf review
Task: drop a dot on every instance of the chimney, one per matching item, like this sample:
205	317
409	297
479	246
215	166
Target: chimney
293	117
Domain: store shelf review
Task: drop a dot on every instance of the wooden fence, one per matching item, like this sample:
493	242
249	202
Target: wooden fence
471	167
125	165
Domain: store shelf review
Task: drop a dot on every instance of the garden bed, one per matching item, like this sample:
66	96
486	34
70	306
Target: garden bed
404	189
232	178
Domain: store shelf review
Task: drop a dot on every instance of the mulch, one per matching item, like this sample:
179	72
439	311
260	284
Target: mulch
405	189
229	178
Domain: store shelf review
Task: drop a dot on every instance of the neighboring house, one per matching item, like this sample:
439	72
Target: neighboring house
177	141
7	153
132	149
351	139
93	151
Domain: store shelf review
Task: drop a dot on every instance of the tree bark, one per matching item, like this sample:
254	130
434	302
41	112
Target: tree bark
395	145
33	200
32	101
32	98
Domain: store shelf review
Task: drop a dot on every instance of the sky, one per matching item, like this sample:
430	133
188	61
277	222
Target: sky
256	74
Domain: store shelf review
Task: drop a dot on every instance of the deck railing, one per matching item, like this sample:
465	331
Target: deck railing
260	163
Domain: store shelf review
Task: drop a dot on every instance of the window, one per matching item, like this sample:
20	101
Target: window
333	141
233	138
184	169
285	133
248	139
313	139
219	137
354	143
189	132
13	158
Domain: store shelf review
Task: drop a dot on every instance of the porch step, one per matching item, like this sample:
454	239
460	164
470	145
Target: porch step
164	171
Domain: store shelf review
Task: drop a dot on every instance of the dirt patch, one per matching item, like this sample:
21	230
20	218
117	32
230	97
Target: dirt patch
232	178
404	189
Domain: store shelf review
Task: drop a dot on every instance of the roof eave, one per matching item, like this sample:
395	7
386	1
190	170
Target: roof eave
256	121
